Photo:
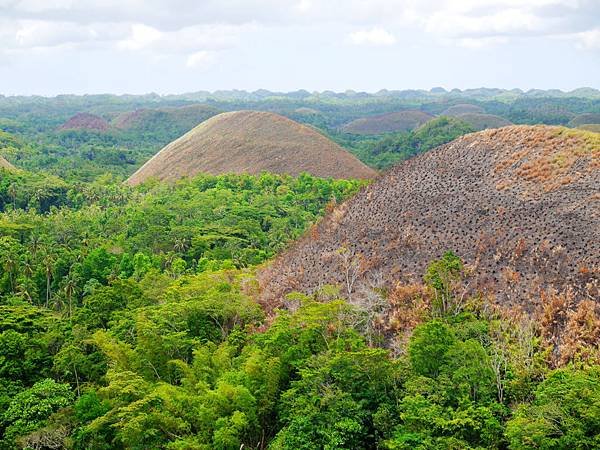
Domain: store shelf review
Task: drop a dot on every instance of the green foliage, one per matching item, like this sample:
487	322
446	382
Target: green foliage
109	231
333	403
30	409
428	346
128	318
565	413
444	276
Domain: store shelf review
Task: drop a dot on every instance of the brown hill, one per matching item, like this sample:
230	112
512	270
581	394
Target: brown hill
463	108
252	142
520	205
85	121
182	118
484	121
388	123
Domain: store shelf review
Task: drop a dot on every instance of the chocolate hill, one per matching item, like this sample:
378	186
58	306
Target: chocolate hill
520	205
181	119
388	123
585	119
85	121
252	142
463	108
484	121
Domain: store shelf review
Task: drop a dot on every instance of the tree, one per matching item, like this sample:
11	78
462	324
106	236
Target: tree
565	413
30	409
428	347
444	276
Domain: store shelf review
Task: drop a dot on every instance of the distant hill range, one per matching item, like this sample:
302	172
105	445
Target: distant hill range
520	205
252	142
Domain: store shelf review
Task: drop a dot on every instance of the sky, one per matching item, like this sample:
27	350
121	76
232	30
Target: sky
50	47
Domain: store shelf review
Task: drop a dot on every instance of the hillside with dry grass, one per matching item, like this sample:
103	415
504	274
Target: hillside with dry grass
252	142
388	123
85	121
520	205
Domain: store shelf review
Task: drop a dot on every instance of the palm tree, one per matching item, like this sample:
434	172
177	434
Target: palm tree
180	245
70	290
12	191
10	266
34	244
48	266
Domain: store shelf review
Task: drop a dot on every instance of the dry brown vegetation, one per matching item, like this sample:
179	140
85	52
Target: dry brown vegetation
570	328
520	205
388	123
85	121
252	142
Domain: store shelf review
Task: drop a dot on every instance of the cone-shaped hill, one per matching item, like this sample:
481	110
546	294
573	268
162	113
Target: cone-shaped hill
252	142
181	119
484	121
85	121
520	205
388	123
463	108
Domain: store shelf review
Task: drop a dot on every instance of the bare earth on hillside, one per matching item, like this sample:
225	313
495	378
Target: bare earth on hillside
85	121
520	205
388	123
252	142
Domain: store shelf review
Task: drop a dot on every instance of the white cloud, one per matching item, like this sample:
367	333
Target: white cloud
589	40
202	59
480	42
189	39
507	21
141	37
373	36
184	27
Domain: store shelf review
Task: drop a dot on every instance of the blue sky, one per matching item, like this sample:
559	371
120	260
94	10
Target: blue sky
50	47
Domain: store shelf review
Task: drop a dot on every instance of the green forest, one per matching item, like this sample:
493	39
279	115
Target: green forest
130	319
